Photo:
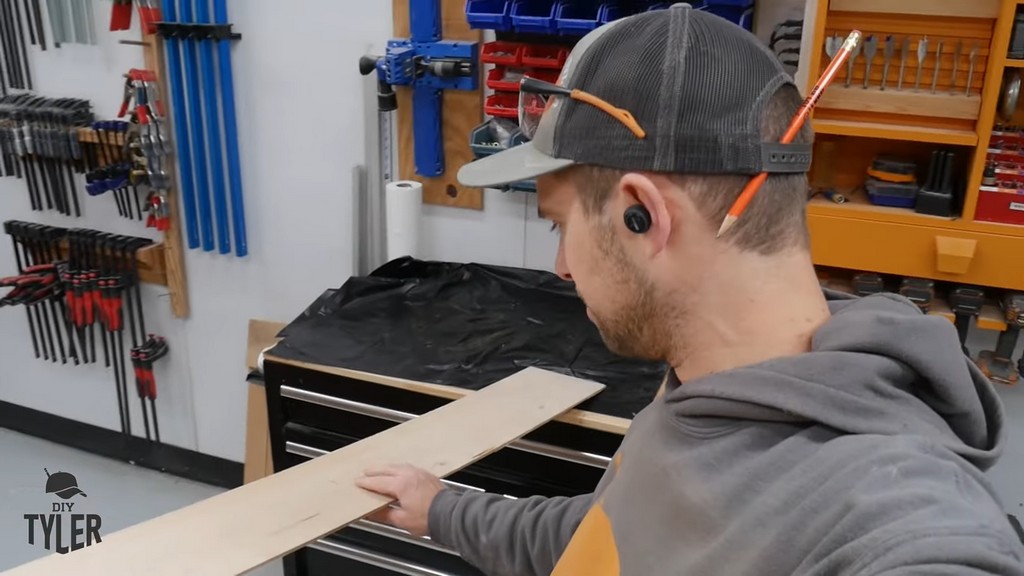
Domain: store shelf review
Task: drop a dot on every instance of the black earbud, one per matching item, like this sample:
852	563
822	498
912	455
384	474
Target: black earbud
637	218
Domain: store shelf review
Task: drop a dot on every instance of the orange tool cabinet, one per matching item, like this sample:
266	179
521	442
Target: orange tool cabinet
854	124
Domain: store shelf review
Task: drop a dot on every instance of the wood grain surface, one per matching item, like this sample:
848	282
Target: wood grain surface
246	527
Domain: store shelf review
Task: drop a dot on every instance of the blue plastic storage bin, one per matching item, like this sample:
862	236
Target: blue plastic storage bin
739	11
577	17
489	14
534	16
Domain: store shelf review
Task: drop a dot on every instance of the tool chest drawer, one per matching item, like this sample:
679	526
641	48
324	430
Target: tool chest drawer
922	251
311	413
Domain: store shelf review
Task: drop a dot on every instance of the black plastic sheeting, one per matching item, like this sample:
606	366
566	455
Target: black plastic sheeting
465	325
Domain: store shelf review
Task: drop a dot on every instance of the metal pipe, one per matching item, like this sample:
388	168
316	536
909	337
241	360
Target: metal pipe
568	454
227	90
196	121
220	207
185	186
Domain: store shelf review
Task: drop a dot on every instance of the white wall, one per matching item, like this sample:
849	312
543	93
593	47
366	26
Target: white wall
302	123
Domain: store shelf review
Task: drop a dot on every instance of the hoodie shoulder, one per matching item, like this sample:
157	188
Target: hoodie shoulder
915	505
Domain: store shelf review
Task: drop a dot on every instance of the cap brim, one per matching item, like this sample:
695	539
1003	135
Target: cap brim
522	162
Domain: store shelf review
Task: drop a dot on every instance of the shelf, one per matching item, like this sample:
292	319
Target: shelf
896	132
857	205
990	318
151	261
954	8
1014	63
906	102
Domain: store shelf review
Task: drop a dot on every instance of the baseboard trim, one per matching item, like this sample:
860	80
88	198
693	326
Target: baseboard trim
174	460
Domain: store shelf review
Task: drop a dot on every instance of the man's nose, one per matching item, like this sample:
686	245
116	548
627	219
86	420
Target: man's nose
560	268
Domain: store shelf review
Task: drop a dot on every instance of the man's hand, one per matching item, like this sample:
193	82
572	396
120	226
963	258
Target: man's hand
412	487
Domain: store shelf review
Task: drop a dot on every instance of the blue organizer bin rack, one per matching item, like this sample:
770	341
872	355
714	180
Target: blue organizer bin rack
577	17
483	144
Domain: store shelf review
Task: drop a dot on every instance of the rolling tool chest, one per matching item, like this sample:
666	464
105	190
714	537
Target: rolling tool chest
385	348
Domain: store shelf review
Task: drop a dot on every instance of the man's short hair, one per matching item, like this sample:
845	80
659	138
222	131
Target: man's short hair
775	219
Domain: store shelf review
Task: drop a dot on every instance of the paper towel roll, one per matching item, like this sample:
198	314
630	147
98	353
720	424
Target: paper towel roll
403	200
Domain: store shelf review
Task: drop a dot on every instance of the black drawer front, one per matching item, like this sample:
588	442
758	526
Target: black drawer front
329	429
311	414
415	403
516	474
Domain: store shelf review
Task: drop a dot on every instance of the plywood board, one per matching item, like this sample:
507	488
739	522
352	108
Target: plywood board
247	527
462	111
258	459
262	335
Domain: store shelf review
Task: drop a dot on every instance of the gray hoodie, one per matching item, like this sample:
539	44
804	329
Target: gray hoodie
863	456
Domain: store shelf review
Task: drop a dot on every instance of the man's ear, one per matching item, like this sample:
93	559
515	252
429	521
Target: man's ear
638	190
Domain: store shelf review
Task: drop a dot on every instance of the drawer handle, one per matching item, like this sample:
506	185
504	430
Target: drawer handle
311	452
377	559
399	534
576	456
954	255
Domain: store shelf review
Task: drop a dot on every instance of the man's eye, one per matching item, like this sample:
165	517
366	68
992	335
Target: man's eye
554	226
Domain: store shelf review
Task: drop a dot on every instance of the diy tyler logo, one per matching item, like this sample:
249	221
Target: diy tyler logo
60	532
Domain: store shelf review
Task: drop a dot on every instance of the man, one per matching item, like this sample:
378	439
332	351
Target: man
798	432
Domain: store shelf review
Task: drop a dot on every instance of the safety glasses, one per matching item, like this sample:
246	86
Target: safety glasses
536	95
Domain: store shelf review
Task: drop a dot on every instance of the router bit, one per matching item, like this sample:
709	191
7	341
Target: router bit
922	53
890	47
970	73
904	50
956	65
850	64
870	48
938	65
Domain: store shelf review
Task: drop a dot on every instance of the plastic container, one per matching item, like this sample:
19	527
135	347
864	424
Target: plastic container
502	53
498	77
577	17
543	56
739	11
482	141
489	14
534	16
1005	206
503	105
614	11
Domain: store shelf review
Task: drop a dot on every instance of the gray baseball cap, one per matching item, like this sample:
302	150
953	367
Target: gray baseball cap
696	84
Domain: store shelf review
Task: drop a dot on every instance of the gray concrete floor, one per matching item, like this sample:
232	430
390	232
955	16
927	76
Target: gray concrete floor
120	494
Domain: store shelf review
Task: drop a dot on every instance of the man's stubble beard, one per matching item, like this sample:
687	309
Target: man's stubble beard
641	327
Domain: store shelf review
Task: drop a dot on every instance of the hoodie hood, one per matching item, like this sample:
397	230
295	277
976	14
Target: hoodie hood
877	366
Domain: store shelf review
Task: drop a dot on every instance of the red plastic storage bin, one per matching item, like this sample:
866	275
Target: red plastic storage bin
503	53
507	79
542	56
503	104
1005	206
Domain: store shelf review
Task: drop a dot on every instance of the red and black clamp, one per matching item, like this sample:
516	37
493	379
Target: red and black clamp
143	358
